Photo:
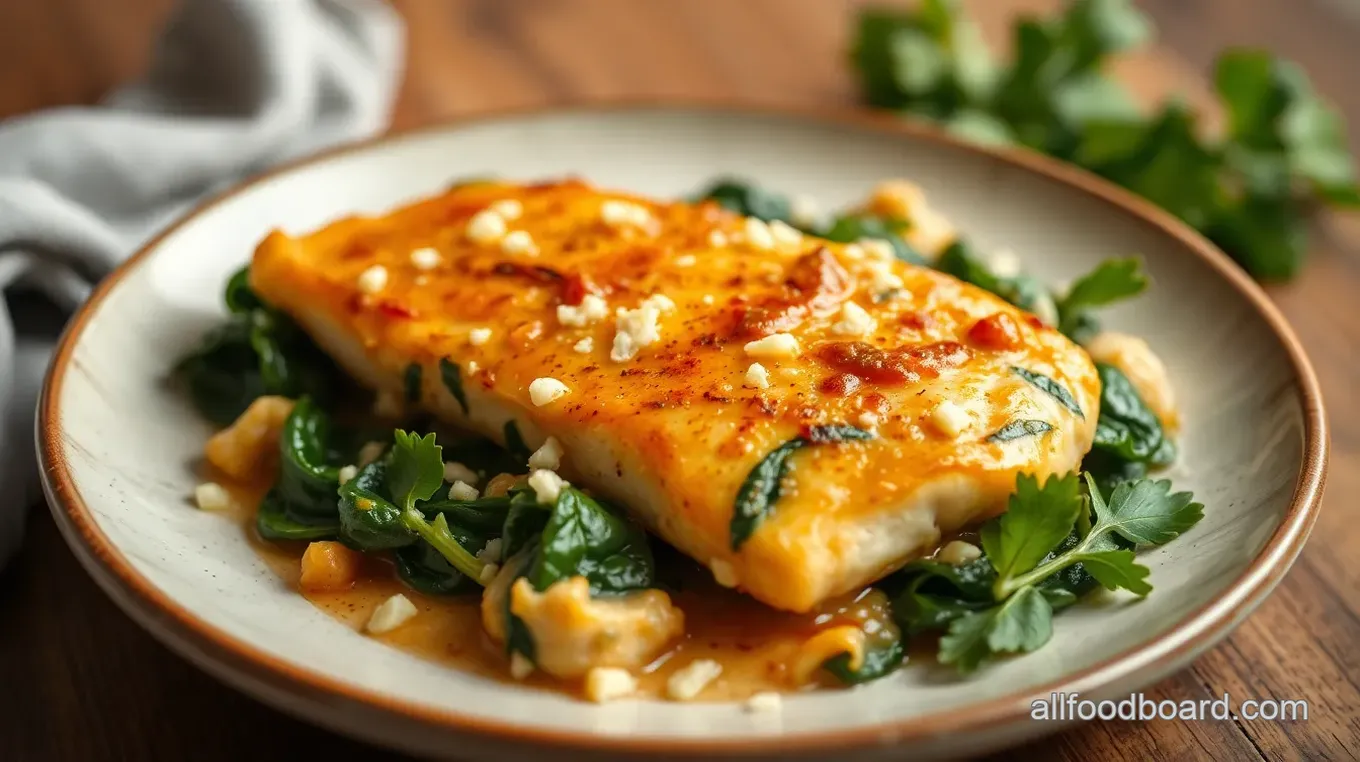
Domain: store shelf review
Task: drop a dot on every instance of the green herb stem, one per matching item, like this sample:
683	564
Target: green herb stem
443	542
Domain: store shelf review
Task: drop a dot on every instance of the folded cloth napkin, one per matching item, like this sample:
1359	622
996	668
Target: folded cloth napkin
235	85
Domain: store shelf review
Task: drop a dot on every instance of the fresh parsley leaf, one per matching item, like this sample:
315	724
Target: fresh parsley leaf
1145	512
1037	518
1020	429
965	645
416	468
1115	569
1024	622
1050	387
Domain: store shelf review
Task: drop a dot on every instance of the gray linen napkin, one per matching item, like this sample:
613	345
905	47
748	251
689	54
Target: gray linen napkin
235	85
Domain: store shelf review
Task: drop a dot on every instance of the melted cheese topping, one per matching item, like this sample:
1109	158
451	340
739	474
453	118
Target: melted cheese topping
658	413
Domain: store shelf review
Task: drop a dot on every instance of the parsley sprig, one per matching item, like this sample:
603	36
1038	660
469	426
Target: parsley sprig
1055	542
1250	190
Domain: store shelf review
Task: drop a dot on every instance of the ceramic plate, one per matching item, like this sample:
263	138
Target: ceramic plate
119	449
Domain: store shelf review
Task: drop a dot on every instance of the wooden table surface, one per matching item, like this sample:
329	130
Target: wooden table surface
81	681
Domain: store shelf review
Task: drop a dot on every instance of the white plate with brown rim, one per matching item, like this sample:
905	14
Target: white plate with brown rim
117	446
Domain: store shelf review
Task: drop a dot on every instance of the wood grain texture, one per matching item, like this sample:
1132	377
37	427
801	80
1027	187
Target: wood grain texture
82	682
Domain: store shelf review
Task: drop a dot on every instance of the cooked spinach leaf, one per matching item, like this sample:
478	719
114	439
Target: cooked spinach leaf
748	199
1019	429
762	487
1127	428
514	443
1111	281
452	376
424	569
855	227
1050	387
276	520
881	656
1024	291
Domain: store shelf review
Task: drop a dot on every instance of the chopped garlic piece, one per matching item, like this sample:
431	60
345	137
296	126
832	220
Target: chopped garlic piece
765	701
547	485
520	666
391	614
461	490
546	390
211	496
609	683
689	682
958	553
348	472
548	456
776	346
507	208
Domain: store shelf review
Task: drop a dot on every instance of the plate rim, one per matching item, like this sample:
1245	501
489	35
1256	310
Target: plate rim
254	671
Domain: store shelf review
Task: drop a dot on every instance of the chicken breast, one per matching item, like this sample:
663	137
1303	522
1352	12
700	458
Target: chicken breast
673	347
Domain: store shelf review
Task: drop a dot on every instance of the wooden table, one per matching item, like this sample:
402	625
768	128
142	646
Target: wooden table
81	681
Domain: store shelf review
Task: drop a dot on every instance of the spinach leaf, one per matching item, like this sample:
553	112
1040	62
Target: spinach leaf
276	520
1024	291
524	522
1127	428
748	199
368	517
1111	281
854	227
452	377
307	482
1050	387
258	351
486	515
424	569
1019	429
762	487
881	656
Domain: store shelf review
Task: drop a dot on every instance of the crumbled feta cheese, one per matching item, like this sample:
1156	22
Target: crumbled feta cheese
370	452
776	346
457	472
507	208
686	260
348	472
544	391
609	683
717	239
211	496
491	552
519	242
1004	264
877	248
592	309
425	258
765	701
547	485
461	490
637	328
758	234
855	321
373	280
486	226
472	367
584	346
958	553
488	573
548	456
708	299
689	682
949	418
757	377
391	614
520	666
723	573
619	214
479	336
785	234
853	251
868	420
805	211
881	276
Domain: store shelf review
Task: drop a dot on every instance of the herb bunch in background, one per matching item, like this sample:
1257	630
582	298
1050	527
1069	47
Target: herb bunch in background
1250	190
